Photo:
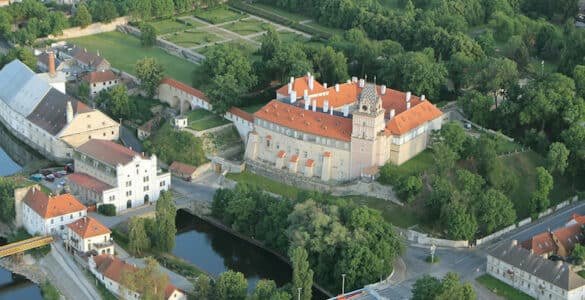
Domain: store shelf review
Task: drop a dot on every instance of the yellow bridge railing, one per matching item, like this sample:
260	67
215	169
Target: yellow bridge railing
21	246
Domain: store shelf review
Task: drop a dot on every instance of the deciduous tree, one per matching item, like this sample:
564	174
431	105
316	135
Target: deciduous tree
148	34
495	210
302	274
150	72
557	158
544	184
138	239
166	212
82	17
231	286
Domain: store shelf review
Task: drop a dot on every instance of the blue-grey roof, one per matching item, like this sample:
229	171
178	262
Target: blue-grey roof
20	88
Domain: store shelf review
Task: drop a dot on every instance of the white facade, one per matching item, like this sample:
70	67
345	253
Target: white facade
96	87
35	224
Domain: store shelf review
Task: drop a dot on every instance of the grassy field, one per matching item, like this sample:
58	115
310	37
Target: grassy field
123	50
201	119
168	26
247	26
400	216
289	37
417	165
280	12
192	38
266	184
219	15
501	289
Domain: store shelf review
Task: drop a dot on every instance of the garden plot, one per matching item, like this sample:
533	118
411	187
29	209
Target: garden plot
192	38
247	26
219	15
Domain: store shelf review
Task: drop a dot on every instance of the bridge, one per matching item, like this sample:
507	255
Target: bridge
28	244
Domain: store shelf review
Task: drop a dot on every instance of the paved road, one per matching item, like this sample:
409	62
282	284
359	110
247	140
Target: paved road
129	139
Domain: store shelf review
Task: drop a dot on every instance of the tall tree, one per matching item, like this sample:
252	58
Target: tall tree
270	43
544	184
140	9
148	34
115	101
265	289
579	77
302	274
444	157
289	60
495	210
5	23
150	72
203	288
459	222
450	287
331	65
166	212
231	286
82	17
138	240
23	54
557	158
7	208
495	74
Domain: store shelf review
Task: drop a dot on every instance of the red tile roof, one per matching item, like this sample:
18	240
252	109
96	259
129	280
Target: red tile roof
82	108
569	236
300	85
294	158
316	123
327	154
412	118
89	182
185	88
281	154
108	152
561	241
50	207
182	168
87	227
540	244
578	219
310	163
170	290
242	114
151	124
111	266
94	77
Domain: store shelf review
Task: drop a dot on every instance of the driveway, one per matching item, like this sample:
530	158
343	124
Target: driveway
129	139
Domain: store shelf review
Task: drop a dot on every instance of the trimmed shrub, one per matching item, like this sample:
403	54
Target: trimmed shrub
107	210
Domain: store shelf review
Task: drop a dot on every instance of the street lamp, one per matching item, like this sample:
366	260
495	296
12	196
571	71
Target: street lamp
343	283
299	297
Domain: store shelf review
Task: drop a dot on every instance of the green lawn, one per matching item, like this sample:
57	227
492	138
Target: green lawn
266	184
201	119
123	50
501	289
252	108
168	26
247	26
219	15
417	165
172	145
401	216
280	12
192	38
289	37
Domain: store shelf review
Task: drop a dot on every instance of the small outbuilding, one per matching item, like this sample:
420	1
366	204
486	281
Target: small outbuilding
186	171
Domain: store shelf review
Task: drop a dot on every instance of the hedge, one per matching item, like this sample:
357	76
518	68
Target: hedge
107	210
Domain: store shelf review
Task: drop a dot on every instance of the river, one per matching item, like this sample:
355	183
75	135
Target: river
215	251
13	286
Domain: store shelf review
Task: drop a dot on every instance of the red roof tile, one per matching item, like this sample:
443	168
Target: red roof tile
309	163
50	207
320	124
108	152
87	227
300	85
412	118
569	236
94	77
242	114
185	88
540	244
182	168
294	158
327	154
89	182
578	219
111	266
281	154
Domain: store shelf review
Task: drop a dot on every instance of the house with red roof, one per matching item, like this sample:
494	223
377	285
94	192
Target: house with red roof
90	235
100	80
109	173
108	270
340	132
48	214
560	242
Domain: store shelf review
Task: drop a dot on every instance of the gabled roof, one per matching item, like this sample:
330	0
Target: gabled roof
88	227
561	241
556	273
182	168
100	76
576	219
320	124
300	85
51	112
412	118
111	266
49	207
20	88
541	244
185	88
87	57
89	182
242	114
108	152
43	58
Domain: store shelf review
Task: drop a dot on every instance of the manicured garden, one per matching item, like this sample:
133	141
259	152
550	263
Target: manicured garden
247	26
247	48
123	50
192	38
219	15
201	119
168	26
501	289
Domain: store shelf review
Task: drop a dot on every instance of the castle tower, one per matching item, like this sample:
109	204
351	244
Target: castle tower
367	130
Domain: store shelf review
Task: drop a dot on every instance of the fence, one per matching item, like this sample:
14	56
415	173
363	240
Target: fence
498	233
424	239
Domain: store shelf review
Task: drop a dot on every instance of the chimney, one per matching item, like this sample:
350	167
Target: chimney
292	79
305	95
325	105
293	97
69	112
337	87
307	103
289	87
407	105
314	105
408	95
345	110
422	98
383	89
392	114
354	79
362	82
325	85
51	63
331	111
311	82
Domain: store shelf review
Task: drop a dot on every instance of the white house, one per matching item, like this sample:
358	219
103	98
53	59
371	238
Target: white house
44	214
108	269
88	234
100	80
123	177
534	275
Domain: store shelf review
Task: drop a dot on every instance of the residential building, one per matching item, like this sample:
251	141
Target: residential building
86	60
108	269
342	132
45	118
109	173
42	214
90	235
185	171
99	81
558	242
534	275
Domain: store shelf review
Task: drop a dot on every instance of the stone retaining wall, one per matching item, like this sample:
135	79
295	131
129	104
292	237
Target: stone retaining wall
95	28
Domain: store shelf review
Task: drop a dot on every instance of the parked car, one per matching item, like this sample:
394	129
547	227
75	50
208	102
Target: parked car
60	174
45	172
69	168
50	178
36	177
